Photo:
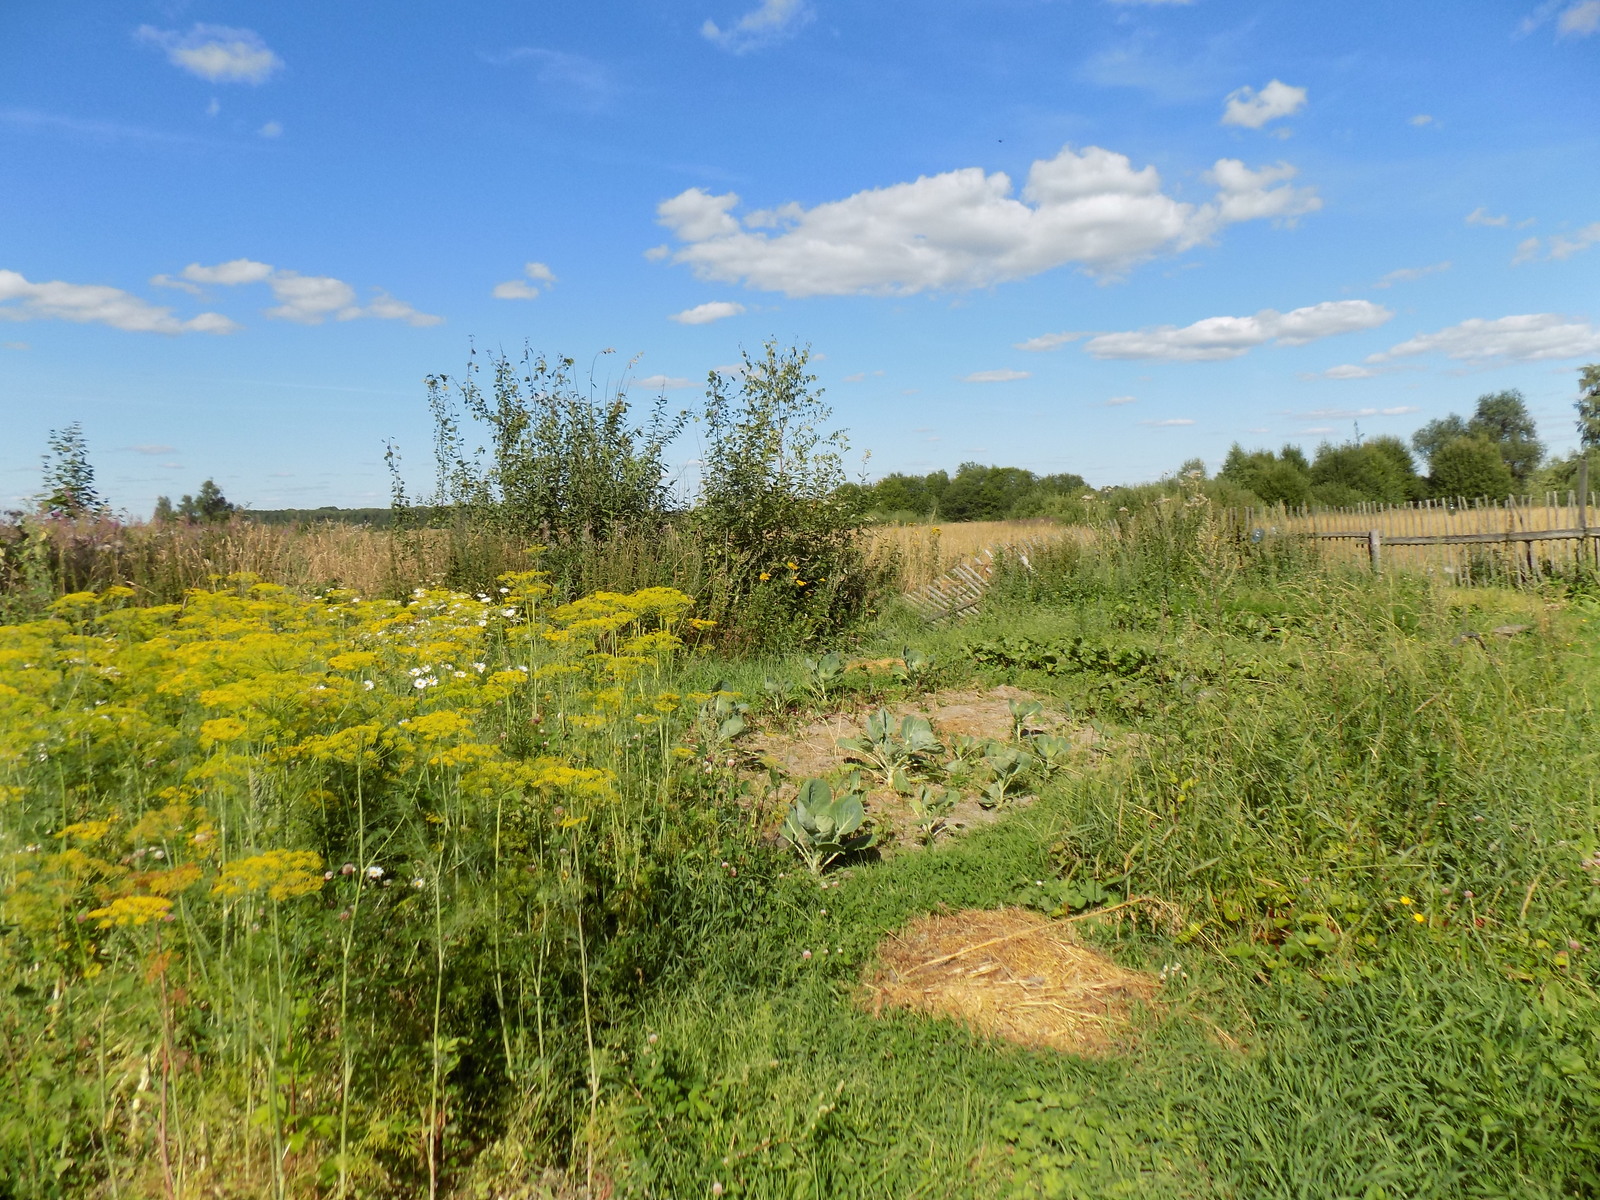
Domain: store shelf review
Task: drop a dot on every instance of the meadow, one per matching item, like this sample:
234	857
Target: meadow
316	891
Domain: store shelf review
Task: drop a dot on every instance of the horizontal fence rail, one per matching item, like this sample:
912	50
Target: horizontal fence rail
1518	539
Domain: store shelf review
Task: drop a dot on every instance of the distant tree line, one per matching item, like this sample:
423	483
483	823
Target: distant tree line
208	506
1495	452
974	493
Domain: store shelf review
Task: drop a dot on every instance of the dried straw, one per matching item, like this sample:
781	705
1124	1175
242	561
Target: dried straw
1013	974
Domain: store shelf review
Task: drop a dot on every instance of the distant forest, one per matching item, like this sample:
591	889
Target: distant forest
1494	452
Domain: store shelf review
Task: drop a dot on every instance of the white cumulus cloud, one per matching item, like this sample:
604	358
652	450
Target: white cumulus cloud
307	299
704	314
1003	375
522	289
1480	216
1529	337
768	22
235	271
964	228
1216	338
96	304
216	52
1252	109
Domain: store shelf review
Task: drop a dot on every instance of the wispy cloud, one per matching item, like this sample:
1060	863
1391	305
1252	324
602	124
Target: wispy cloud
663	383
1003	375
1559	246
22	118
1345	371
1527	337
1217	338
1354	414
525	289
307	299
1407	274
1119	401
217	53
770	21
1480	216
1579	20
1168	423
1050	341
571	79
97	304
1574	18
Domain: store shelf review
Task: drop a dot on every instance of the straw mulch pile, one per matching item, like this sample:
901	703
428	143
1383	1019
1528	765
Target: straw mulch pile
1014	974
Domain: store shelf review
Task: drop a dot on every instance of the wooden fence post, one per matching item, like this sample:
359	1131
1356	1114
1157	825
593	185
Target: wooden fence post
1583	508
1375	550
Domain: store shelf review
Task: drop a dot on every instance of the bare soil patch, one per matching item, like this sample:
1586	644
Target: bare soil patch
1014	974
811	751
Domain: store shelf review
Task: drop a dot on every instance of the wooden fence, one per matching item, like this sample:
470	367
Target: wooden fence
1521	538
962	588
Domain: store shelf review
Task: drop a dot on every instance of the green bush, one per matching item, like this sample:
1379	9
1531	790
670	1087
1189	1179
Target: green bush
778	526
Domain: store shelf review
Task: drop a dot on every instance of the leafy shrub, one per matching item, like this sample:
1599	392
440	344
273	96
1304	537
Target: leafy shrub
772	512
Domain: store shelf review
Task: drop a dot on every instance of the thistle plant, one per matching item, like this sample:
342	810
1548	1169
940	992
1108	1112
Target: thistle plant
888	748
822	826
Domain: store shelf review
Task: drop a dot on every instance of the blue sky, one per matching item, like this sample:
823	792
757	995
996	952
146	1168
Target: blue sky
1080	235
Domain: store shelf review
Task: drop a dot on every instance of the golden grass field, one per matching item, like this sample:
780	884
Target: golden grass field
927	551
1437	519
363	559
368	561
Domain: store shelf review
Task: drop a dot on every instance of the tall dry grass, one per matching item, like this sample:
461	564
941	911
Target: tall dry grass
921	553
1516	560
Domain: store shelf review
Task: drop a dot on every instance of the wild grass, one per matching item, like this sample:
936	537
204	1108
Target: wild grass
161	562
1371	822
921	553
